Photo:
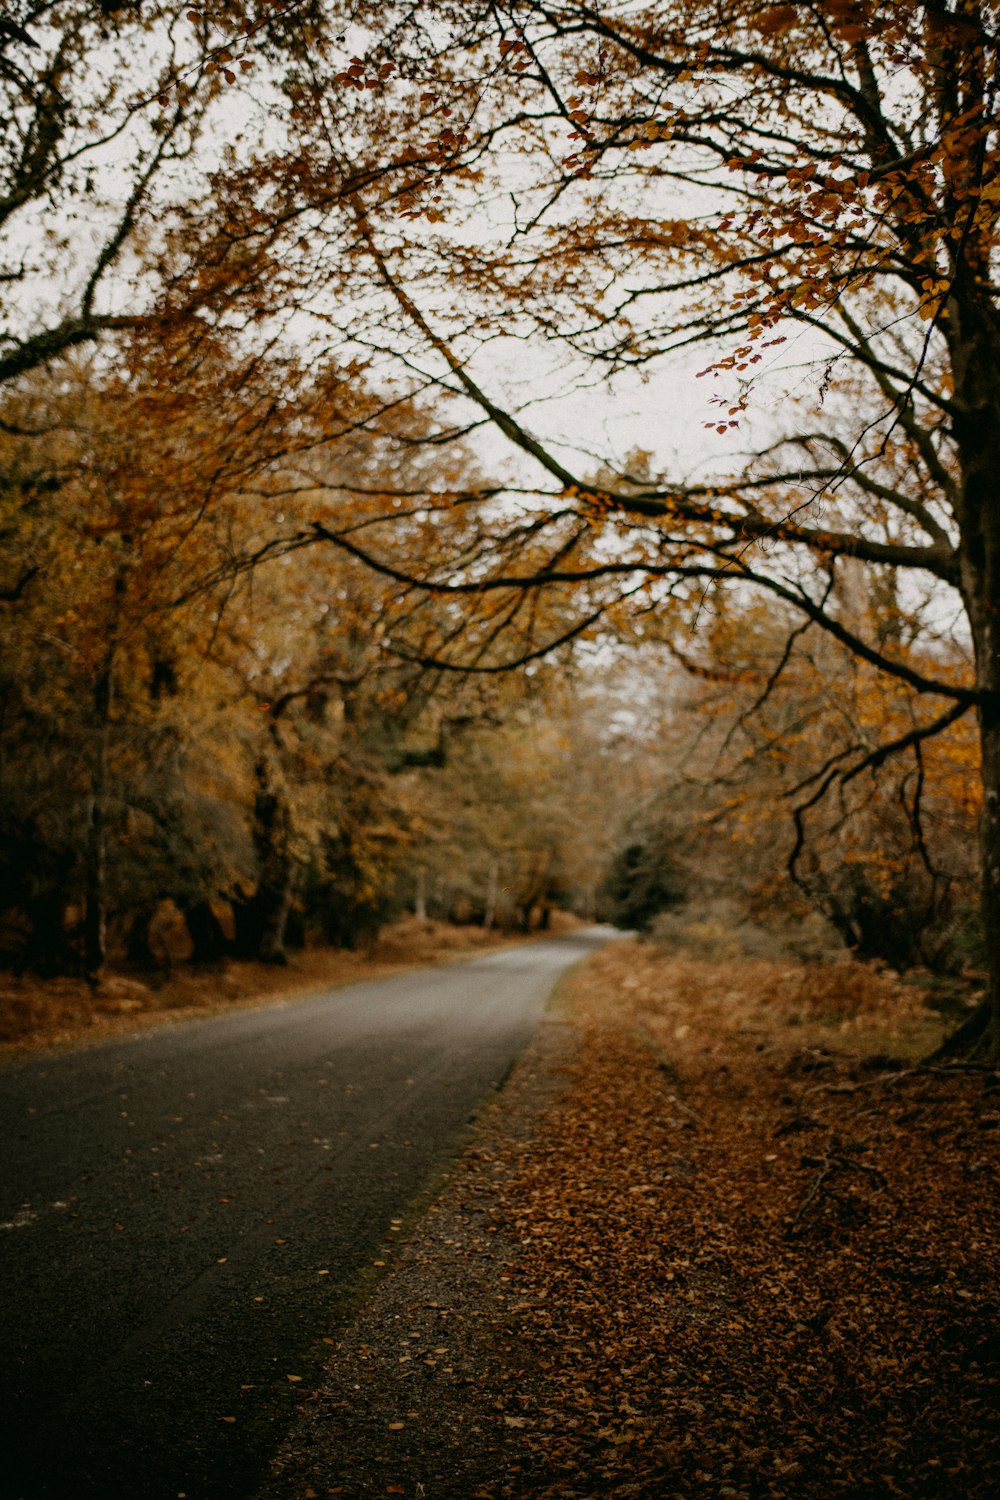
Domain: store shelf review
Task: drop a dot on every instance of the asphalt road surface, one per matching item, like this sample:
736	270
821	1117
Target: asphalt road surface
185	1215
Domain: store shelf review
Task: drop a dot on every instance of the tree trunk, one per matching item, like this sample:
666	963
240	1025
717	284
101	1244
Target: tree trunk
273	920
138	949
295	926
95	898
209	941
990	851
975	347
46	951
261	921
420	897
492	895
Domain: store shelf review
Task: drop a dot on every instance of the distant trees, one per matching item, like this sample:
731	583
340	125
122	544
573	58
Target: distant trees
113	501
641	882
749	804
523	815
192	715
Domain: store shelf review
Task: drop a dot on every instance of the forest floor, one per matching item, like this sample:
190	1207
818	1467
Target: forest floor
720	1235
38	1012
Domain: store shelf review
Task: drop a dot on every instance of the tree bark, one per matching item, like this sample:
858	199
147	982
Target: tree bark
990	853
974	335
95	894
262	920
209	941
138	949
47	950
273	920
492	894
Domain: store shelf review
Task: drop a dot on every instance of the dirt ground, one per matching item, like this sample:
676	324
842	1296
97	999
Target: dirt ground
720	1236
51	1012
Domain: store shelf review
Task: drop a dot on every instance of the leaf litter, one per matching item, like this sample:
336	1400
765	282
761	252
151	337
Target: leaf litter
722	1236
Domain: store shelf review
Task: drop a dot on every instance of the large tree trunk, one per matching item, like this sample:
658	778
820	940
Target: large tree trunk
975	347
982	1036
990	848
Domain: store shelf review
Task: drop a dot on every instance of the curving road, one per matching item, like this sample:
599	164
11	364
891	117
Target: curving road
186	1215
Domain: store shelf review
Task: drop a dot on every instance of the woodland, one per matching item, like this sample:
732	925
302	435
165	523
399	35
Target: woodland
478	459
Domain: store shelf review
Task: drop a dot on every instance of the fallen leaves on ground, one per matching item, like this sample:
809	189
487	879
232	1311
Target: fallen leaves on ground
721	1237
757	1259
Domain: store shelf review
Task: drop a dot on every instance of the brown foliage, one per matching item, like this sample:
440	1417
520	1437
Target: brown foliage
755	1262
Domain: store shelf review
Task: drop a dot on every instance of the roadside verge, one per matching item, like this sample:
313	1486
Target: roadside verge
720	1235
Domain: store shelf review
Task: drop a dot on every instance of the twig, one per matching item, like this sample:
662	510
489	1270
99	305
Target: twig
828	1165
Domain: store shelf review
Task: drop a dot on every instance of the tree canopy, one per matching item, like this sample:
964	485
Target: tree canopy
692	304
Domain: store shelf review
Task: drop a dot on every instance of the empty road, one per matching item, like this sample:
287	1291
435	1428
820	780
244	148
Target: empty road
186	1214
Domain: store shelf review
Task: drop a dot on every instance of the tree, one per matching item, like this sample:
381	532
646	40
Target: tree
106	106
745	180
174	725
887	856
77	120
761	187
112	499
